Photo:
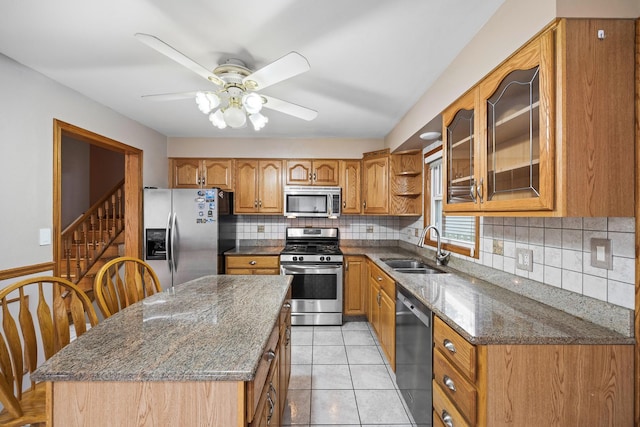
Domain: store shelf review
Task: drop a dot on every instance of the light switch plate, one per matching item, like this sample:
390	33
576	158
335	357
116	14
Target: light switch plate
601	253
45	236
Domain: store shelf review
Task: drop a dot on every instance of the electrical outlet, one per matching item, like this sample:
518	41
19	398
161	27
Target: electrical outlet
417	233
601	255
261	229
369	228
524	259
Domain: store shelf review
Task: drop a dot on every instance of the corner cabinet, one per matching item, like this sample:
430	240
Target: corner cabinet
258	186
549	131
406	183
312	172
201	173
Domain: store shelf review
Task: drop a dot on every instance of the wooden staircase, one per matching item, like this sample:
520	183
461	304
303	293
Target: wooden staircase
93	239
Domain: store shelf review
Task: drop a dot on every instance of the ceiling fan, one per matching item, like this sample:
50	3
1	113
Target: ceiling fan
235	96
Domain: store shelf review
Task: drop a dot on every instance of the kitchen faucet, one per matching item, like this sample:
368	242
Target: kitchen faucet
442	257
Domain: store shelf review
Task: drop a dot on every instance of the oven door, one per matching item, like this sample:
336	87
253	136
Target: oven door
316	293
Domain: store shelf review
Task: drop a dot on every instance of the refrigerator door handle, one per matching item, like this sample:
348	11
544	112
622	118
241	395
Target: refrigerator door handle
174	231
167	237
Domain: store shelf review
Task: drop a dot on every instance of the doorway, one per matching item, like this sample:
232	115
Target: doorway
132	186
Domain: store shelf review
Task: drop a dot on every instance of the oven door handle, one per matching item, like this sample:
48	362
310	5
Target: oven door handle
309	268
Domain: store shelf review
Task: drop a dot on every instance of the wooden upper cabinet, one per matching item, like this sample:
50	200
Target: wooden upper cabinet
375	183
202	173
405	182
258	186
312	172
550	131
351	182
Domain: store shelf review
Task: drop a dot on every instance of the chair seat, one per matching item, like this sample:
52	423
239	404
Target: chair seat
33	405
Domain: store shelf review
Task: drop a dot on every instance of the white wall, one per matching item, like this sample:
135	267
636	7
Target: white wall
76	180
29	103
335	148
514	23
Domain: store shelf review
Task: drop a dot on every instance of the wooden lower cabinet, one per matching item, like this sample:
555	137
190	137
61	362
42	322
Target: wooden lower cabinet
249	264
530	385
382	309
355	280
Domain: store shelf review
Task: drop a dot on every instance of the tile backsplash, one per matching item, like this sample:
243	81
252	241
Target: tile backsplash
561	247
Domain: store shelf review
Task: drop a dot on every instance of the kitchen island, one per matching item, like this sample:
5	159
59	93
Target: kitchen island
198	354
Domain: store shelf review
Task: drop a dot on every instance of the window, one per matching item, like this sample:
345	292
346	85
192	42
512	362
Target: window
459	234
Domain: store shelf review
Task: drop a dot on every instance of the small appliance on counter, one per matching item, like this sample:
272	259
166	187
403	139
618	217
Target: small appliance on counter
186	232
314	258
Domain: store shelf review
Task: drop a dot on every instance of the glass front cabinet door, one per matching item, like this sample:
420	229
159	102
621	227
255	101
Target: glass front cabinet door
499	137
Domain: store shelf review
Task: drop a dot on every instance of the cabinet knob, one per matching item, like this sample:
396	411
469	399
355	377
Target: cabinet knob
270	355
364	204
449	345
379	278
449	383
255	203
287	305
446	418
252	262
344	204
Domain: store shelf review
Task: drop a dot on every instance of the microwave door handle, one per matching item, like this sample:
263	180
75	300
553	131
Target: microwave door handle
330	204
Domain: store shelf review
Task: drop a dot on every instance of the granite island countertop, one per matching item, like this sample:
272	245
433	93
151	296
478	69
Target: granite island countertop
485	313
214	328
254	250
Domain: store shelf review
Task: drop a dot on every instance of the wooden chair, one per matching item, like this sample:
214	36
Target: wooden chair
122	282
37	314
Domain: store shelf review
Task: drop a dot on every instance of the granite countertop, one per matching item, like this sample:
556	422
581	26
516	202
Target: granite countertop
212	328
484	313
255	250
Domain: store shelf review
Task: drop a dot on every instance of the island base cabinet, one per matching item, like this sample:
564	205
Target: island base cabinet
124	404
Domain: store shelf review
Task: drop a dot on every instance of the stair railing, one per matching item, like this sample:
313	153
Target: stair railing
86	239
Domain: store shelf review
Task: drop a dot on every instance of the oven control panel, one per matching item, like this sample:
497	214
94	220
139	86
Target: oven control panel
310	258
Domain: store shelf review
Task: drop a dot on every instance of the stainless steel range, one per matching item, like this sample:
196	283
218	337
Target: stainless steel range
314	258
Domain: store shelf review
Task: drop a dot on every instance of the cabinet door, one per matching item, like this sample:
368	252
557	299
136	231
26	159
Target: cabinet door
299	172
461	174
387	333
354	285
375	185
218	173
374	304
350	181
270	184
326	172
246	194
186	173
517	135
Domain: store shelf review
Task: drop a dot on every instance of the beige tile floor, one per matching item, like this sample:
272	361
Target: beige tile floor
340	377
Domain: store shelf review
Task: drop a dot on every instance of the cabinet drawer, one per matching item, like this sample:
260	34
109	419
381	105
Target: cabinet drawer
385	282
254	388
455	385
458	350
260	261
445	410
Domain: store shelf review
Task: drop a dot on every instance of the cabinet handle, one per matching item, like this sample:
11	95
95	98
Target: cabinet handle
346	266
252	262
379	278
378	298
473	191
446	418
286	305
315	177
449	383
270	355
288	336
449	345
273	389
344	204
480	189
271	408
260	204
364	204
255	203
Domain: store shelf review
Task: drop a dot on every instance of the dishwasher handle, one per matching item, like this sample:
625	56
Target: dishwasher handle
424	315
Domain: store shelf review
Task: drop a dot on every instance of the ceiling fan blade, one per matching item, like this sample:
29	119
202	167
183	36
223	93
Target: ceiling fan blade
281	69
170	96
168	51
295	110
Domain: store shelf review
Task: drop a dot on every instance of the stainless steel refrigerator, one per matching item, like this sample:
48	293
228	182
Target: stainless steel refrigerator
186	232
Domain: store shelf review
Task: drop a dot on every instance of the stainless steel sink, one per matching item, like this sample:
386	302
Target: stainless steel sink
419	270
410	266
404	263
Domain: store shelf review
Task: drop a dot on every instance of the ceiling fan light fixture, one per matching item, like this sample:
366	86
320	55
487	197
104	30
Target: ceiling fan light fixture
234	117
207	101
217	120
252	102
258	121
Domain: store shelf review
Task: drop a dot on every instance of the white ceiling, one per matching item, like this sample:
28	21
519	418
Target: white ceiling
370	59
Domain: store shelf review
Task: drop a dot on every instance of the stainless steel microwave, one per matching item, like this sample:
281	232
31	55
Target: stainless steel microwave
322	202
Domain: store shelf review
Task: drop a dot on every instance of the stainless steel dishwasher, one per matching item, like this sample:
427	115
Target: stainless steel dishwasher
414	353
